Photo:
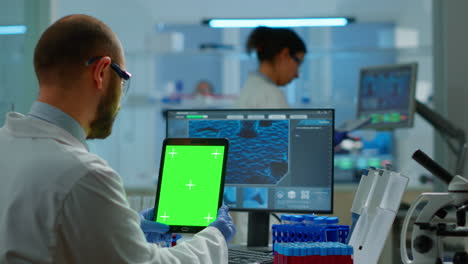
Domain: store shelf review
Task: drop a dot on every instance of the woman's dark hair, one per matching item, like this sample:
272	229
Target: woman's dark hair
267	42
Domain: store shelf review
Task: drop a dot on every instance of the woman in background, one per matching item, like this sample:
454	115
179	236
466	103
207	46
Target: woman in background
280	52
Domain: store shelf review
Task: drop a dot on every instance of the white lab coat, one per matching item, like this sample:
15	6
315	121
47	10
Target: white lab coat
61	204
261	92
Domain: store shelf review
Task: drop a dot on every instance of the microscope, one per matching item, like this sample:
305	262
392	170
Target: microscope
427	233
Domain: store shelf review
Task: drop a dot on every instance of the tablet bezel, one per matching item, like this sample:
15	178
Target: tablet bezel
191	142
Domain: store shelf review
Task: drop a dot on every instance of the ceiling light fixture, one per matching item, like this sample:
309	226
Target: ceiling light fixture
279	22
12	30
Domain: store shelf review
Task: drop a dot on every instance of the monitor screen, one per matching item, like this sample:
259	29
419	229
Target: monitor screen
386	95
279	160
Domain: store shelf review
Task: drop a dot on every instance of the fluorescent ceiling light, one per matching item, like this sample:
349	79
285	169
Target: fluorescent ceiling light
279	22
12	30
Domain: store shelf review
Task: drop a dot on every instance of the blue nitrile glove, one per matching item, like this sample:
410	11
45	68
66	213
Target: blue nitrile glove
224	223
154	232
339	136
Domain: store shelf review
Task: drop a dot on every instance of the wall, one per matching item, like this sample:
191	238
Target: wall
130	21
18	85
11	54
12	12
413	36
450	72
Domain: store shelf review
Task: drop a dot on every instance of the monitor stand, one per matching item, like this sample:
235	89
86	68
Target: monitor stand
258	231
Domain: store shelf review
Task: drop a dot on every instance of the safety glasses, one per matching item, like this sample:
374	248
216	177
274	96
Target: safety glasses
296	59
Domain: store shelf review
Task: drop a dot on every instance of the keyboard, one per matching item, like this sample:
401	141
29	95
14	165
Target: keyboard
240	256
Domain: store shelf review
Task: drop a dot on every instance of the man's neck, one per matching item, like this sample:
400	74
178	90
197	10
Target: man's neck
69	104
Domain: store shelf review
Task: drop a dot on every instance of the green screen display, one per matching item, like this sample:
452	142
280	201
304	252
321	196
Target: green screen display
190	187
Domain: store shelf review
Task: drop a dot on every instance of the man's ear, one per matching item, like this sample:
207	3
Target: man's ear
99	69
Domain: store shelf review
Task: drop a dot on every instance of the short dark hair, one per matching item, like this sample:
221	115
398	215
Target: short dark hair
67	44
268	42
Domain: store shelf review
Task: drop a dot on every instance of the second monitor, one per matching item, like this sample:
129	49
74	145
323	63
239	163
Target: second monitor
386	95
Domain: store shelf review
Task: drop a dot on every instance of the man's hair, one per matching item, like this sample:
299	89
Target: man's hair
66	46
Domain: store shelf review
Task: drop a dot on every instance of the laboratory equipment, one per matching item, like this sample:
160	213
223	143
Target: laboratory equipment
296	219
309	219
241	256
374	208
309	233
280	160
386	95
332	220
427	232
317	252
449	132
320	222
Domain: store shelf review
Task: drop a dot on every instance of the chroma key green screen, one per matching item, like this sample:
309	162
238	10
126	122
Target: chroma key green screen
190	186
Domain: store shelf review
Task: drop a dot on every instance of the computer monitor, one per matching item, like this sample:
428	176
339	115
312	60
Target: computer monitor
386	94
279	160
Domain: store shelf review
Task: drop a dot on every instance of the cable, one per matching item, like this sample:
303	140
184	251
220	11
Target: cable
276	216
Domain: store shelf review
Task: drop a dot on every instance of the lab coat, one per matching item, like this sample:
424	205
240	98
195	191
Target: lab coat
260	92
61	204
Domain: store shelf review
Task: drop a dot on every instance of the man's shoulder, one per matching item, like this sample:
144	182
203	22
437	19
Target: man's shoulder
88	161
86	170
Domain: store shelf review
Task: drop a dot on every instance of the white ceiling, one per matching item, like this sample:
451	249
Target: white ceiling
192	11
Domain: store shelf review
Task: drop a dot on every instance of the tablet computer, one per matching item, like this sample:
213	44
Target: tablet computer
191	183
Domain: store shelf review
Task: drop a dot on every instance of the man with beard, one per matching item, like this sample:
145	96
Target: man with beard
58	202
